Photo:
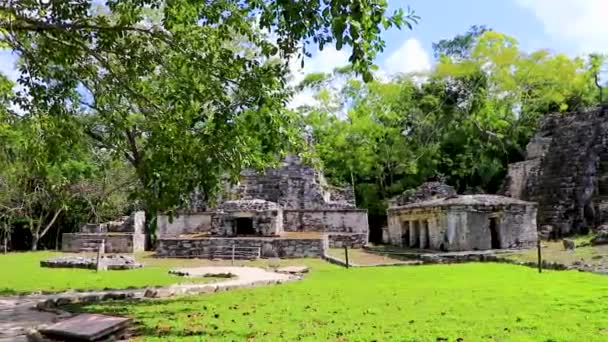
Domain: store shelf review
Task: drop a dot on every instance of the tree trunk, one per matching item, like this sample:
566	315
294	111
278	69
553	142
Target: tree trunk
35	238
35	234
57	238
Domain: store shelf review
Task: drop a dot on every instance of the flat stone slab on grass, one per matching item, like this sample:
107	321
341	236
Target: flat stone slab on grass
112	262
86	327
293	269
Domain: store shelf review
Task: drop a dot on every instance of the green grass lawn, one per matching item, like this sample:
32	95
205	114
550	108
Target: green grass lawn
473	302
20	273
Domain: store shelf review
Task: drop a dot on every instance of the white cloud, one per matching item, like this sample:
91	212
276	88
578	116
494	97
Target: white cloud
323	61
410	57
7	64
581	23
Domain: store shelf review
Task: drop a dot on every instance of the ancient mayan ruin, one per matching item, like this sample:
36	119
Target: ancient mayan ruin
289	211
566	171
434	217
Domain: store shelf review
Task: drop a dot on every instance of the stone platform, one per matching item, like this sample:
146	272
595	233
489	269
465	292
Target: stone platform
112	262
245	247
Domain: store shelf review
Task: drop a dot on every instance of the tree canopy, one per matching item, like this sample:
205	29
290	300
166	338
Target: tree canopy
184	92
463	122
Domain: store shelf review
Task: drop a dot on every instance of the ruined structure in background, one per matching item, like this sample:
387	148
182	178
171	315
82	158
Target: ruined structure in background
122	236
289	211
438	219
427	191
566	171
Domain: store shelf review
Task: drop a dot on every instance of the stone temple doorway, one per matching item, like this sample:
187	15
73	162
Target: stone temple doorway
244	226
405	234
494	235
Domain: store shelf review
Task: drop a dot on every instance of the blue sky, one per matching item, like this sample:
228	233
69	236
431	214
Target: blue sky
570	26
573	27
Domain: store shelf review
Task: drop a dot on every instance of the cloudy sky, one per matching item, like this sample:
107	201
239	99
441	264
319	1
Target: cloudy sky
570	26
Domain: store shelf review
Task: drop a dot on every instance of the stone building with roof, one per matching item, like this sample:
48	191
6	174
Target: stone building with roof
289	211
462	222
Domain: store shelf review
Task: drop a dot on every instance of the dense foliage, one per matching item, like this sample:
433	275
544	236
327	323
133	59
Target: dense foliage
463	122
184	92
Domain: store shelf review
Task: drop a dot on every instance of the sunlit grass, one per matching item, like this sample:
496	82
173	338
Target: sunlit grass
472	302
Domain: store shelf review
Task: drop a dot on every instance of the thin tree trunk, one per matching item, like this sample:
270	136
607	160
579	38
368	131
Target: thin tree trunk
35	238
48	226
35	235
57	238
4	237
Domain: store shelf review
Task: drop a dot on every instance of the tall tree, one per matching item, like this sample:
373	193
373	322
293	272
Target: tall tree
185	91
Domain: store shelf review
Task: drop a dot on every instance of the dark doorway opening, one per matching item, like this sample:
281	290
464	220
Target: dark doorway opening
427	236
495	238
244	226
405	236
416	236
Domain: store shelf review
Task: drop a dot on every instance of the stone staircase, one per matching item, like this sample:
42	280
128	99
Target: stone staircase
229	252
90	246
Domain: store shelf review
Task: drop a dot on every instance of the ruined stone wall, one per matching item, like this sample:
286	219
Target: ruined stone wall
270	248
183	224
293	185
517	228
339	221
566	171
339	240
126	235
114	243
134	223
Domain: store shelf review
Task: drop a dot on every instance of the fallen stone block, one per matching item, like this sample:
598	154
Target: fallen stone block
86	327
293	269
158	293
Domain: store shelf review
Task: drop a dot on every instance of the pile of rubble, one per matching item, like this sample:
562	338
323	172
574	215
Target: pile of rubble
426	191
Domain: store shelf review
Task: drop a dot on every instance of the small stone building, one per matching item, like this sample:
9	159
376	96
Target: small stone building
126	235
463	223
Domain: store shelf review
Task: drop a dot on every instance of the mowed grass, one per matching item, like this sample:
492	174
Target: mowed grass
21	273
462	302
